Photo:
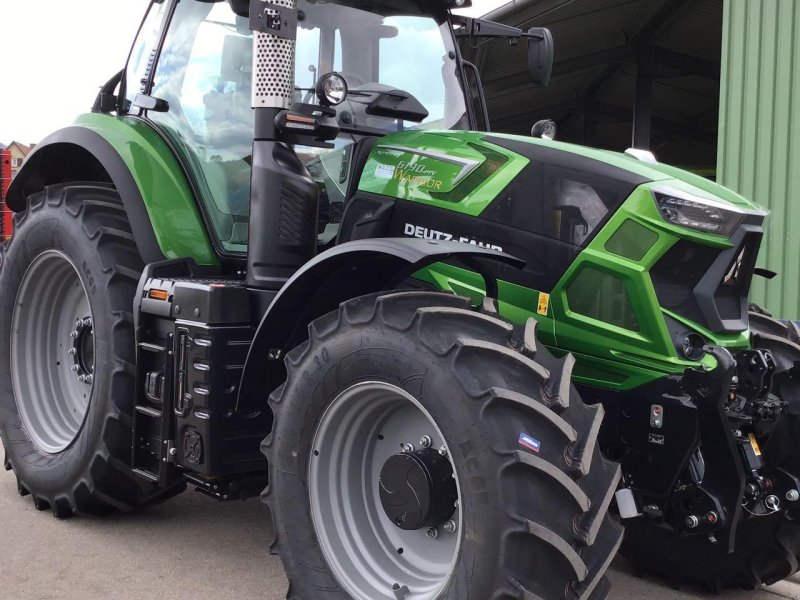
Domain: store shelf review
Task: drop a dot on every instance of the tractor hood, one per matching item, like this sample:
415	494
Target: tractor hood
471	169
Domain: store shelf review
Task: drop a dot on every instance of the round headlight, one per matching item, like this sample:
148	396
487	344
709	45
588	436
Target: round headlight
331	89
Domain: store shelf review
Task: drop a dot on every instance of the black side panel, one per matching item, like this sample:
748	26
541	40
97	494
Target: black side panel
58	147
561	195
367	216
545	259
540	154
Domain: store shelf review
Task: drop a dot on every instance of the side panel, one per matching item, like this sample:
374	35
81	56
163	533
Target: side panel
146	173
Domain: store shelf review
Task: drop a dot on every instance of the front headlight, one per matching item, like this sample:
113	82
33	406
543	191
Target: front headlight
701	214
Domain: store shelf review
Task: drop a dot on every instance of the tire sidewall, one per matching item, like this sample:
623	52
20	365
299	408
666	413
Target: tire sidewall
50	227
354	358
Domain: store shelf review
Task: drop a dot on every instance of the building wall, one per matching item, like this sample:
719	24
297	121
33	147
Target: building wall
5	181
759	140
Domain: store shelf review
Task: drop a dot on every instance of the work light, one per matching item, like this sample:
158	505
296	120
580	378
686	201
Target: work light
331	89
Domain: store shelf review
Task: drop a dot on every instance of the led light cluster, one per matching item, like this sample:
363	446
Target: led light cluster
701	214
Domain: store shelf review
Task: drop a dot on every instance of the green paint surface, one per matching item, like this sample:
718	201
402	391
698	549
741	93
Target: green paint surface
178	225
604	309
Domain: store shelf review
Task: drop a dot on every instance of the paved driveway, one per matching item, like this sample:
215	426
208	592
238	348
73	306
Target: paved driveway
189	548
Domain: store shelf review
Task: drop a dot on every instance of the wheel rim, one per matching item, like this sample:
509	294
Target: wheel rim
370	556
52	352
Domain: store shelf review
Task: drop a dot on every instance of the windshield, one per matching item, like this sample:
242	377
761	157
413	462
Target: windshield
379	47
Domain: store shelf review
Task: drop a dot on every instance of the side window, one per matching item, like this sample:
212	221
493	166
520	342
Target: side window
140	61
204	73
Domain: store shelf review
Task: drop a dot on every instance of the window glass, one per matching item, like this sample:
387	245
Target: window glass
204	73
139	62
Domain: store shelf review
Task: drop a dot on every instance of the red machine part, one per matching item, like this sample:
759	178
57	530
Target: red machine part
6	222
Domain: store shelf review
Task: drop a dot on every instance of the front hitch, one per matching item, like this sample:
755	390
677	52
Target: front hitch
724	476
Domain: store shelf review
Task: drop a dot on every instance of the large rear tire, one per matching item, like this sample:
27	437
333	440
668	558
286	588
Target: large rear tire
67	352
398	379
767	547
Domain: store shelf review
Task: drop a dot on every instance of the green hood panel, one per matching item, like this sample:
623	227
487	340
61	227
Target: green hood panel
445	167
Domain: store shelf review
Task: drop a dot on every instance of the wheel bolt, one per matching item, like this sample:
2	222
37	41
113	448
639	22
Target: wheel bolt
73	334
443	450
74	368
425	441
87	322
82	378
692	521
450	526
432	533
78	323
72	352
89	378
793	495
407	447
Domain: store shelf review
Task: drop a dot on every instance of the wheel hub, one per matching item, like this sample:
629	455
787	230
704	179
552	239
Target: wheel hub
82	350
417	489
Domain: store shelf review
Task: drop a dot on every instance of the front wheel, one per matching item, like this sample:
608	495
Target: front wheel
422	450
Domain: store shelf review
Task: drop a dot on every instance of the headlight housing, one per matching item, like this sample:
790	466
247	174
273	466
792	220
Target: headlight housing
694	212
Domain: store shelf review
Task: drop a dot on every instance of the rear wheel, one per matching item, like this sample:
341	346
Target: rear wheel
67	352
422	449
767	547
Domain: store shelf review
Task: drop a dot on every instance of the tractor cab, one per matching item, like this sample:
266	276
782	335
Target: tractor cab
399	62
379	67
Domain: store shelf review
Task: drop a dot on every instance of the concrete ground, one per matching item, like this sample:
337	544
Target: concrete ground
189	548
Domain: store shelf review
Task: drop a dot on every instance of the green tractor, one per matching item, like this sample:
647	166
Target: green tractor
280	254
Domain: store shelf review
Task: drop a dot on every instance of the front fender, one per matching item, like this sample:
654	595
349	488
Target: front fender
346	271
161	208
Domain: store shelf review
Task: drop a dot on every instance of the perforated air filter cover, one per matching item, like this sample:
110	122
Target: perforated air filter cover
273	65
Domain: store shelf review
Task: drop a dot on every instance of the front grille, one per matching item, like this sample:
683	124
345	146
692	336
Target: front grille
676	275
707	285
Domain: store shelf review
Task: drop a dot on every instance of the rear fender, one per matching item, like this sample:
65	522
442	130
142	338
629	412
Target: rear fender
129	154
344	272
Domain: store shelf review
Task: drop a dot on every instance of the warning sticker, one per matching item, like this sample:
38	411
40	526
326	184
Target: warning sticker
544	303
384	171
529	442
754	444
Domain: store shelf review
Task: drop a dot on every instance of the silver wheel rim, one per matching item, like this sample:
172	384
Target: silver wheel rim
370	556
52	368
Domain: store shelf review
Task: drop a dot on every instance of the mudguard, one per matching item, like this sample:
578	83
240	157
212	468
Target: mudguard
127	152
346	271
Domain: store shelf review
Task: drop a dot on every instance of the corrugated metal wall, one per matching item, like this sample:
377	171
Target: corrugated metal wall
759	145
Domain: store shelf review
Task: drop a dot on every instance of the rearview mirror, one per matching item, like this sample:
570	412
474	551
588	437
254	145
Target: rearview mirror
541	50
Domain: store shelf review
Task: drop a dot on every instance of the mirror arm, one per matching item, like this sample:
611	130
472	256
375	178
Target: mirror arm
472	27
481	94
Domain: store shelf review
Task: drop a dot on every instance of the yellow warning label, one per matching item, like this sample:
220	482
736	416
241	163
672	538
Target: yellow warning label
754	444
544	303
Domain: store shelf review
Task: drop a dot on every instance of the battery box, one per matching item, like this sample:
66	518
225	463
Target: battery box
193	337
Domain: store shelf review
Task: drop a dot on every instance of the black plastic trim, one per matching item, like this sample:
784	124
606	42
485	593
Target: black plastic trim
117	170
344	272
